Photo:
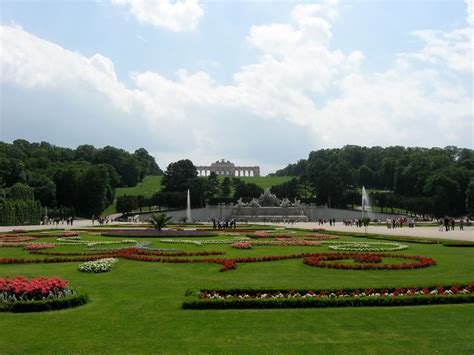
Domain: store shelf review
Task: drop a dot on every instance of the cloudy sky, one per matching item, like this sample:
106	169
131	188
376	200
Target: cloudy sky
256	82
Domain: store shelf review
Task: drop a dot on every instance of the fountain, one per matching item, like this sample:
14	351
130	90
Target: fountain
188	208
365	201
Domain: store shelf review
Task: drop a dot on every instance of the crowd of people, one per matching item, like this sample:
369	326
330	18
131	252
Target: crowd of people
224	224
447	224
56	221
393	223
101	220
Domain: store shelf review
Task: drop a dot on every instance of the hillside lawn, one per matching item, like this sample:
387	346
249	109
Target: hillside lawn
136	308
152	184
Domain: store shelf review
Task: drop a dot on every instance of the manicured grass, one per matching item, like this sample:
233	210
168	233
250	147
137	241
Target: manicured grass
149	186
136	307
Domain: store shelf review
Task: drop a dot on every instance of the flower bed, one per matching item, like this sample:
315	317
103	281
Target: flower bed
366	246
96	266
241	245
39	246
16	239
201	242
349	297
21	294
322	261
150	233
367	258
74	240
287	242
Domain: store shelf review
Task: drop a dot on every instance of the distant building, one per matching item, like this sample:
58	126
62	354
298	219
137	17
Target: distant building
226	168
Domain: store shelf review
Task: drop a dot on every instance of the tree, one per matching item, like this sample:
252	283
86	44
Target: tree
226	187
470	197
159	221
95	191
177	176
288	189
126	204
21	191
148	163
366	176
444	192
44	189
213	184
246	189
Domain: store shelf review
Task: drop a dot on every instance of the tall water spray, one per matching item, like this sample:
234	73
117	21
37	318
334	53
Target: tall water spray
365	201
188	208
366	205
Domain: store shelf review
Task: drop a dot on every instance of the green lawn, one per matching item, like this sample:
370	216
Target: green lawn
136	308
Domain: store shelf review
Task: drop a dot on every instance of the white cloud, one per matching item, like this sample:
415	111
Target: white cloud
299	95
181	15
470	12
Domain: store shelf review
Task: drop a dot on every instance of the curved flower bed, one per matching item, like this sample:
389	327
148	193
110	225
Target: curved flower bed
96	266
21	294
322	261
39	246
287	242
201	242
241	245
349	297
367	258
311	259
16	239
367	246
75	240
150	233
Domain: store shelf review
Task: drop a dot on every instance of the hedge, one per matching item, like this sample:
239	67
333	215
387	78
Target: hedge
19	212
44	305
194	301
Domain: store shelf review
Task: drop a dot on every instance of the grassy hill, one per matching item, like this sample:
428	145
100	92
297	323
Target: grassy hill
152	184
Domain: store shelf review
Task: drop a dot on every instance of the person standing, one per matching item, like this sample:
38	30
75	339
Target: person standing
461	224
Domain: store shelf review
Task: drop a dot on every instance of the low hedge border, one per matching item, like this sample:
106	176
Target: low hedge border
44	305
194	301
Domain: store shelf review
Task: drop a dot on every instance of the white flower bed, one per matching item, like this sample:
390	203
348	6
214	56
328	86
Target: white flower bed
101	265
365	246
206	241
90	243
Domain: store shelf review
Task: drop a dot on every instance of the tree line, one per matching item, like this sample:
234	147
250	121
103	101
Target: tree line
437	181
81	180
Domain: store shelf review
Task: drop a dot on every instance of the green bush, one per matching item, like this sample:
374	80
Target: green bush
44	305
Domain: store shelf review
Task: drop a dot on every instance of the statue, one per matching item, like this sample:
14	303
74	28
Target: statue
240	203
267	199
297	203
285	203
253	203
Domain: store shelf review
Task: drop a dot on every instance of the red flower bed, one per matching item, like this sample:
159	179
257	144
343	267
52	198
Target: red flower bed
241	245
368	258
322	236
14	239
311	259
176	253
320	261
38	246
35	288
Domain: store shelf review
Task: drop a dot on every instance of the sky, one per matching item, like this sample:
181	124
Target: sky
255	82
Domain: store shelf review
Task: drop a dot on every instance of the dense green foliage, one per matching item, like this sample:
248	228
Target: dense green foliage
435	181
83	178
159	221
